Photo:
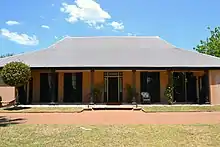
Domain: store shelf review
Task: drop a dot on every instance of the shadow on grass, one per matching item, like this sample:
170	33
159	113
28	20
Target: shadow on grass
16	108
4	121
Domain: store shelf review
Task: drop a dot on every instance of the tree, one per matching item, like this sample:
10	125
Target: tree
211	45
6	55
16	74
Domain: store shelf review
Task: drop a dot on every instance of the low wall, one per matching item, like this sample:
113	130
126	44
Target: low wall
214	84
7	93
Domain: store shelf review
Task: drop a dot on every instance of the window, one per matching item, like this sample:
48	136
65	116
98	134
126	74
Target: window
113	74
120	84
74	80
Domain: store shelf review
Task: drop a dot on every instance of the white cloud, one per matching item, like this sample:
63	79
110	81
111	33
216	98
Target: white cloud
45	26
23	39
12	22
42	17
131	34
65	36
117	25
98	27
87	11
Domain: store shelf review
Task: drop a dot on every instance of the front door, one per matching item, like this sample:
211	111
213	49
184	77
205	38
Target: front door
113	89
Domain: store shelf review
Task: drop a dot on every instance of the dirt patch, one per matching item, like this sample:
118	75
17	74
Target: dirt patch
115	117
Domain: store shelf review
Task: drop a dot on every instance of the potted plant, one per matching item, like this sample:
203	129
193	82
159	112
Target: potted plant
169	94
129	93
98	92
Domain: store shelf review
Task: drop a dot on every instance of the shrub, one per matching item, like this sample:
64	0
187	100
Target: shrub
16	74
129	93
169	94
98	92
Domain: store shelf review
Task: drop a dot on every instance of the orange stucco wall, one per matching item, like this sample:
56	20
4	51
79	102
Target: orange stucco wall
163	84
86	86
36	83
214	82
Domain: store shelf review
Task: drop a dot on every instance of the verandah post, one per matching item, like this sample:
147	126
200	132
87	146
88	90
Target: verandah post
170	81
207	88
92	87
51	82
134	87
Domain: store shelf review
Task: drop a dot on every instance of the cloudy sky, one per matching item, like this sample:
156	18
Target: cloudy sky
27	25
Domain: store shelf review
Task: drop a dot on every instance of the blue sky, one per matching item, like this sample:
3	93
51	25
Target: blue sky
28	25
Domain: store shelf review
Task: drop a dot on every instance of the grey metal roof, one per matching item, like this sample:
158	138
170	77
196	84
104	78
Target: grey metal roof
128	51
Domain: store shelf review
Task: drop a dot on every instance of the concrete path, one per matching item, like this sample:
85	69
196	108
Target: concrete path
111	117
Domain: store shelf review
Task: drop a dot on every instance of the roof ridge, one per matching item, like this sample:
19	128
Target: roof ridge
113	37
191	51
30	52
167	42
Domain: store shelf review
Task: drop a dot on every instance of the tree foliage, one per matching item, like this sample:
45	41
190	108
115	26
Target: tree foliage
6	55
15	74
211	45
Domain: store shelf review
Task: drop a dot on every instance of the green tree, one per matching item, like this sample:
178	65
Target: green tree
16	74
211	45
6	55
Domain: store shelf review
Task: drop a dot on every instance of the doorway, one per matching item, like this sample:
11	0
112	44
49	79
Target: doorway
73	87
150	82
179	87
185	87
191	87
203	89
22	96
45	95
113	87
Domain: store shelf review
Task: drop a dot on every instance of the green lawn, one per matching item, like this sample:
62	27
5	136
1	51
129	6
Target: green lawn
174	108
149	108
41	110
110	136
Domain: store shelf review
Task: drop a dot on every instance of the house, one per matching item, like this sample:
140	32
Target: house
76	69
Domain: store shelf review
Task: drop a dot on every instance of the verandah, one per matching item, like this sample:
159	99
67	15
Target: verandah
117	86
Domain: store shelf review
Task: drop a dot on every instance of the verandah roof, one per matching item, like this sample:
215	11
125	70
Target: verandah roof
128	51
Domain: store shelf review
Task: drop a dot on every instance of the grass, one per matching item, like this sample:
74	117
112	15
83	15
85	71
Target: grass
41	110
110	136
54	109
174	108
